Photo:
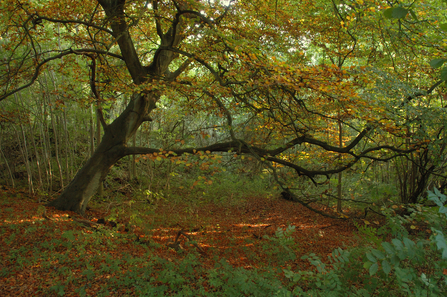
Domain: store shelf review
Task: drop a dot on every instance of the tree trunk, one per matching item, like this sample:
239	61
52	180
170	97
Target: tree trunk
78	193
339	185
116	135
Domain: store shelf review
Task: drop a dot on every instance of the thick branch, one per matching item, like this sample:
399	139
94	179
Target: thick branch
171	76
201	61
114	10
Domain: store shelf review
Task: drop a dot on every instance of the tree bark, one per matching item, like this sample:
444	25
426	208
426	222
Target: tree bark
113	144
112	147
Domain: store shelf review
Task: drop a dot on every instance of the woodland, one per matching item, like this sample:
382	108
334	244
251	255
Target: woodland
223	148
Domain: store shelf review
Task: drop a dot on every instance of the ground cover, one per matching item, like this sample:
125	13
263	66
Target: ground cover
168	246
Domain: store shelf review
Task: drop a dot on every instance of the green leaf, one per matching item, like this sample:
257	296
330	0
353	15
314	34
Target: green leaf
367	264
398	244
288	273
441	243
388	248
386	267
409	243
373	269
444	74
437	192
436	63
435	197
370	257
388	13
378	254
395	260
443	27
399	13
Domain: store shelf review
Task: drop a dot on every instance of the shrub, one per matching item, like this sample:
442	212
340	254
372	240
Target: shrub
406	265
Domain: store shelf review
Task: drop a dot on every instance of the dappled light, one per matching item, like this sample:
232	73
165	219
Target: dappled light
223	148
233	234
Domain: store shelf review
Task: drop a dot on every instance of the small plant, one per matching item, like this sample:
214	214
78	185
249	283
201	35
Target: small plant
282	246
368	234
58	289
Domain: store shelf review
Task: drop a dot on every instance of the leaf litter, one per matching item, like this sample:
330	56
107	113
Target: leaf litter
42	247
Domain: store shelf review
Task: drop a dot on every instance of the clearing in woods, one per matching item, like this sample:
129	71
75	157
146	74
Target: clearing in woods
43	249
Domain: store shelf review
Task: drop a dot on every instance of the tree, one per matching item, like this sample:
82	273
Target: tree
288	71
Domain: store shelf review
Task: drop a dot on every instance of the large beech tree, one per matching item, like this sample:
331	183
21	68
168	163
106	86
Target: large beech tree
294	71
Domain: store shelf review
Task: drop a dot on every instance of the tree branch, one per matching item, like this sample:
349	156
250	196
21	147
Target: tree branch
114	10
45	61
96	93
87	24
422	93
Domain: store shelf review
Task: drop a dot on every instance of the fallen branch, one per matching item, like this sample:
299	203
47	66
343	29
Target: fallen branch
176	244
87	223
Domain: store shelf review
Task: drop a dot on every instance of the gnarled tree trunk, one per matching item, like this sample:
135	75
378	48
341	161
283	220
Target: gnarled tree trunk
112	148
116	135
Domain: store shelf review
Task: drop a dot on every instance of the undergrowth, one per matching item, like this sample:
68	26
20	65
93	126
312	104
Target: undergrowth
407	256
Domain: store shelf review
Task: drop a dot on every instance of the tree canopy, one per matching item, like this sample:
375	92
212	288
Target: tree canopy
306	88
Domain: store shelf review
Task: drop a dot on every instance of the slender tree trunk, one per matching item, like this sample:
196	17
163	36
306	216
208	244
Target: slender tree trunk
339	185
98	139
68	148
36	153
7	165
24	151
133	168
55	133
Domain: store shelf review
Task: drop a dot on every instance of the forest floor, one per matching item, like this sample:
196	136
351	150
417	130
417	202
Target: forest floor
45	250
